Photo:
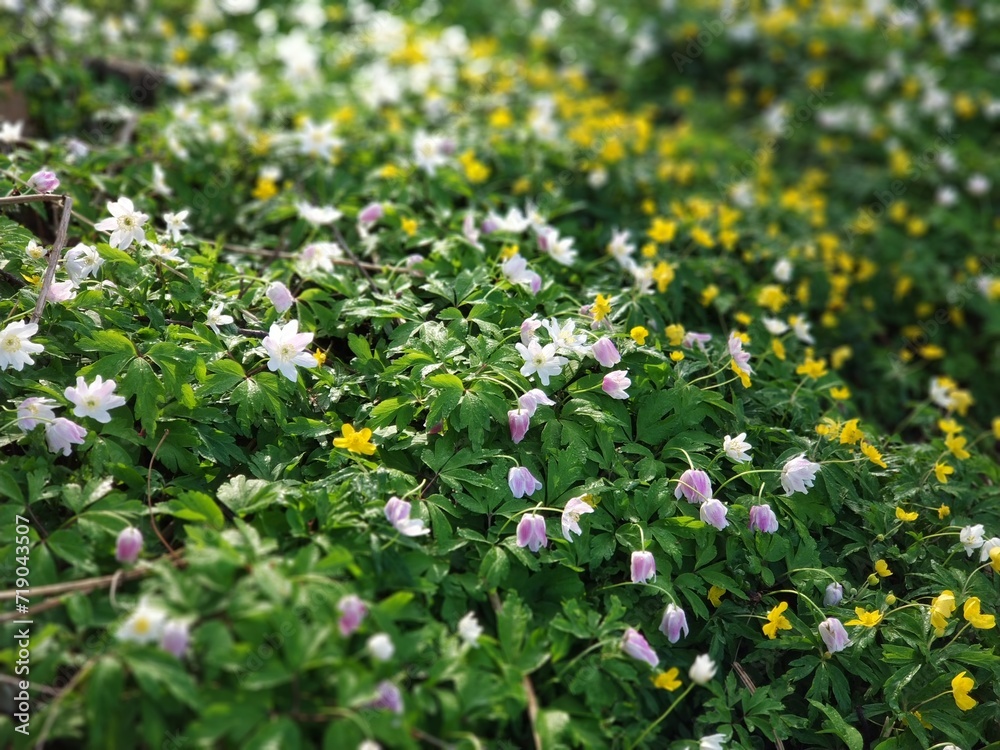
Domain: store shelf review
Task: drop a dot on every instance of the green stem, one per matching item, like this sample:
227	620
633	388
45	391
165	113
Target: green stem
662	716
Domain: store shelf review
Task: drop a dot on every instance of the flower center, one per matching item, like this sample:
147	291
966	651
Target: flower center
10	344
142	626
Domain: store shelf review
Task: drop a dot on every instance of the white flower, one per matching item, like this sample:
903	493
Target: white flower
215	318
10	132
516	270
318	256
941	389
702	670
541	360
565	338
125	224
318	140
775	326
286	348
621	249
575	507
159	182
62	291
429	151
798	474
317	215
783	270
712	742
737	448
163	252
34	250
15	347
972	538
94	400
469	629
145	625
978	184
176	224
380	646
514	222
560	249
801	326
988	546
62	434
83	261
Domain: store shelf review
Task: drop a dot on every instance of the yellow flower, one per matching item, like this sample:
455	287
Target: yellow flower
840	394
776	620
949	426
702	237
840	355
708	294
742	318
905	516
677	355
851	434
744	378
715	595
663	274
320	356
772	297
675	334
932	351
978	620
602	307
873	454
778	348
668	680
882	568
649	250
926	724
509	251
410	227
639	334
960	687
956	445
942	471
867	619
813	368
828	428
356	442
265	189
996	427
995	559
942	607
944	511
662	231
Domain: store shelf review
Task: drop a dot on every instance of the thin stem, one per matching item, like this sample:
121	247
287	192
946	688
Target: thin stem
662	716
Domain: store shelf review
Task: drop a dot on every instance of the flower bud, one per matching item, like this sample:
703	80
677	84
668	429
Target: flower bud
175	638
605	352
519	422
280	296
370	213
643	566
872	579
890	599
128	546
43	181
834	593
380	647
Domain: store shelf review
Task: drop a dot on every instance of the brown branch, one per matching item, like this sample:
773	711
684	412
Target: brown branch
529	689
748	683
34	685
32	611
149	496
84	585
54	254
350	254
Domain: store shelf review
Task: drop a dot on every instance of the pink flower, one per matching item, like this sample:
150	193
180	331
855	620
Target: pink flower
713	512
695	485
643	566
531	532
691	338
740	357
674	621
522	482
605	352
280	296
94	400
762	518
533	399
43	181
519	422
389	698
834	593
352	613
398	513
637	647
834	635
175	638
615	384
34	410
62	291
528	328
798	474
286	348
129	545
575	507
61	433
370	213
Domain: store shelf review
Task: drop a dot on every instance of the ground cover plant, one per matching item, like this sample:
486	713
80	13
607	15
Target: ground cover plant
471	375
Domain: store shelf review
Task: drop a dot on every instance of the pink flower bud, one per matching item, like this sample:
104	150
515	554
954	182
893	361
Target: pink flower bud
280	296
834	593
531	532
674	621
128	546
762	518
175	638
615	384
43	181
61	434
370	213
638	648
834	635
643	567
522	482
352	613
605	352
713	512
694	485
519	422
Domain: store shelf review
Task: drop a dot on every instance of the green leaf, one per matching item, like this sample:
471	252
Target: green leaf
140	381
445	380
194	506
107	342
105	686
495	567
836	725
360	346
245	496
67	544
